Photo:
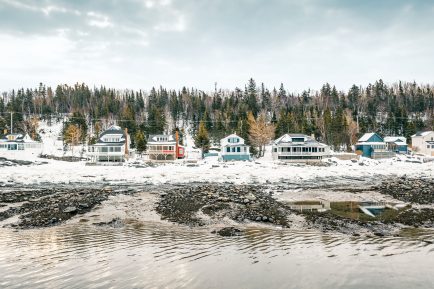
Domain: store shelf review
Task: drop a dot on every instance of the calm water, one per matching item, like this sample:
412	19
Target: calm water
151	255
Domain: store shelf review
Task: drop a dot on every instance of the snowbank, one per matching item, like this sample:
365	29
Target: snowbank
210	170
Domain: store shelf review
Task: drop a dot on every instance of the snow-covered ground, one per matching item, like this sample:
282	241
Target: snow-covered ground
211	170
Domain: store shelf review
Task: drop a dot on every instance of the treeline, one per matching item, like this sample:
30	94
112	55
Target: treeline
333	116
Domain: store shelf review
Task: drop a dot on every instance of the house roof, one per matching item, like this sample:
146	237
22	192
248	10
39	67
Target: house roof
287	139
155	138
396	139
366	136
371	143
113	130
116	130
224	141
422	133
18	138
233	135
121	143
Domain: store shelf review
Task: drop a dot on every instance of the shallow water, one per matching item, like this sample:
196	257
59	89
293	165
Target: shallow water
156	255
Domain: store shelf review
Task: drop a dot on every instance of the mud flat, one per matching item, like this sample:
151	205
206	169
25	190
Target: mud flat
219	206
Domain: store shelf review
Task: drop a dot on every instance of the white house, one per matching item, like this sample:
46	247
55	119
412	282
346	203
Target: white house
423	142
14	145
233	148
113	145
299	148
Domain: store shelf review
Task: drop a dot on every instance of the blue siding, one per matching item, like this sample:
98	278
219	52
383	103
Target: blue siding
243	157
402	149
375	138
366	150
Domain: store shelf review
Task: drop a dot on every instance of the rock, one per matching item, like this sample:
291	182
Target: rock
70	210
228	232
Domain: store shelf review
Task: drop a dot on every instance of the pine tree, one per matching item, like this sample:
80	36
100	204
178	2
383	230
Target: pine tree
140	141
202	140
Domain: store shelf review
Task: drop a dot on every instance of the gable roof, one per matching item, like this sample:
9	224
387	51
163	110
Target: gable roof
396	139
225	141
112	130
18	138
367	137
156	137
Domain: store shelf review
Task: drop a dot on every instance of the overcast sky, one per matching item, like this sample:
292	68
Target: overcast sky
144	43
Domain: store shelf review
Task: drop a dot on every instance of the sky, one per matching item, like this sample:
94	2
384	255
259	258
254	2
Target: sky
138	44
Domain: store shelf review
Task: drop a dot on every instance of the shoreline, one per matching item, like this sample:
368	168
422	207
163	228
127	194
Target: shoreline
216	206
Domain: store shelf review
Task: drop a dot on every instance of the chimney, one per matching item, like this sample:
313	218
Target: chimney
126	143
176	146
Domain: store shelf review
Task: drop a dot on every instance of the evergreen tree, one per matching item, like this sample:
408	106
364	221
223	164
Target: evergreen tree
140	141
202	140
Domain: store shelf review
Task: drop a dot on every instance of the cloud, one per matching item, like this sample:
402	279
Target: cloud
144	43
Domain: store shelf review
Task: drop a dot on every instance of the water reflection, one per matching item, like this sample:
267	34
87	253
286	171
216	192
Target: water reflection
154	255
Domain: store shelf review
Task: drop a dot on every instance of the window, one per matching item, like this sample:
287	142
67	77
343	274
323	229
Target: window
104	149
275	150
12	147
238	149
233	149
118	149
228	149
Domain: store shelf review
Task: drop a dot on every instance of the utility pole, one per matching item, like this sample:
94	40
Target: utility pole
12	123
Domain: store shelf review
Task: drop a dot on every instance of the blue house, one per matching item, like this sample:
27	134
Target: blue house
372	145
397	144
233	148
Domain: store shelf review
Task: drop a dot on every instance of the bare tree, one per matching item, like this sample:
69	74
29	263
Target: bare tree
73	136
31	126
260	132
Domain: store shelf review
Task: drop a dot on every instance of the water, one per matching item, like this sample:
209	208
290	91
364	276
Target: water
156	255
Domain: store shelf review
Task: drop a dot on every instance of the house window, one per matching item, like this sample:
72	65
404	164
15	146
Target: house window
228	149
427	146
104	149
238	149
233	149
275	150
118	149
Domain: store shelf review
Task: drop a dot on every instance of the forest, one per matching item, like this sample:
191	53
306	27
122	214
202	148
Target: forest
333	116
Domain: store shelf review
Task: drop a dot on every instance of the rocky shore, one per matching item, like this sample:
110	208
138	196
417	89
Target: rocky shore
49	207
201	204
413	190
